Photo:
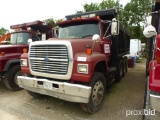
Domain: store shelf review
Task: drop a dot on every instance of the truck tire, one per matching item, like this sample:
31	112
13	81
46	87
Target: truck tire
10	79
35	95
119	70
125	66
97	96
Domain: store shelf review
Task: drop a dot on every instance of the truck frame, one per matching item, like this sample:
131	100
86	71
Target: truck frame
88	55
10	51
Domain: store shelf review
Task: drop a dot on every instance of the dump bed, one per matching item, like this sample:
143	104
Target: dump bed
107	14
36	25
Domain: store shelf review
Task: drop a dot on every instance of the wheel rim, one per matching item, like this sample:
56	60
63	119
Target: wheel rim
19	73
97	93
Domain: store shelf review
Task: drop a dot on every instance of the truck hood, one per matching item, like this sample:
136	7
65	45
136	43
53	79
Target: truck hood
80	45
8	48
12	48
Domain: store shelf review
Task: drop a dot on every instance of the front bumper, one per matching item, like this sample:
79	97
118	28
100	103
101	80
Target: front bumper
155	102
61	90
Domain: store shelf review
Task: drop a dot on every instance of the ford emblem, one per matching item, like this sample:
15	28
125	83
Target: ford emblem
46	59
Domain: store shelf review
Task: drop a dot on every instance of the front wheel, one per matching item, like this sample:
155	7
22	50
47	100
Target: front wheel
96	99
10	79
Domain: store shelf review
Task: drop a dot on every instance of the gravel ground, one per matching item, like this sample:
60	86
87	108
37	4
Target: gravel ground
120	101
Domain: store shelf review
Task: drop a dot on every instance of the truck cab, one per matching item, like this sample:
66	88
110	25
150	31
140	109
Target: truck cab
11	50
88	55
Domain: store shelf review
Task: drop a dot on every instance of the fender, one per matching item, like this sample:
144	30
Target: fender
154	76
91	60
9	62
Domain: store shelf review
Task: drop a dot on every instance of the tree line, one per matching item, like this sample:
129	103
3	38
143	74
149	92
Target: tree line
132	15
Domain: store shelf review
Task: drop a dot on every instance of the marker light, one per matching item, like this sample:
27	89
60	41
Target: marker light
24	50
2	54
98	17
88	51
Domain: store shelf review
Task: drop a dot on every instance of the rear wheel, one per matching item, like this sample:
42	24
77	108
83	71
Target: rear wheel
119	70
10	79
35	95
98	85
125	66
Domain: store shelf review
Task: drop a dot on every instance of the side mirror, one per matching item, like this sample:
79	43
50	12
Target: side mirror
96	38
114	27
43	36
29	41
149	31
149	20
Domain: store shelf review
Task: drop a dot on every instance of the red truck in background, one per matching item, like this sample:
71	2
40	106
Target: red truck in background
88	55
152	32
10	51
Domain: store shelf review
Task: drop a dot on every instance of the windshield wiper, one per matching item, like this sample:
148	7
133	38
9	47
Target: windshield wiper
86	36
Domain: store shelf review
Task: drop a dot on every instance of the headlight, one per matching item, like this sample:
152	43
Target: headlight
83	68
23	62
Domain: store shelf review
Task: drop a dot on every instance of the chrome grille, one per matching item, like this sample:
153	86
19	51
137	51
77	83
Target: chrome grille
51	59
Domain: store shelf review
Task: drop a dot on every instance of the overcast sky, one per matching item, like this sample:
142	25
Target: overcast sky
20	11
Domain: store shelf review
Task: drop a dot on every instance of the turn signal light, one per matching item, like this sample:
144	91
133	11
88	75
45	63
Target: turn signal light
158	60
2	54
88	51
98	17
24	50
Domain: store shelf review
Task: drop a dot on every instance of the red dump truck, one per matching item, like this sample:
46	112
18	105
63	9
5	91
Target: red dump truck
10	51
88	55
152	32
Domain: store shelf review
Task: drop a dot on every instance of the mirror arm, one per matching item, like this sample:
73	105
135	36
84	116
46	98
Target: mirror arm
107	30
107	36
152	13
106	21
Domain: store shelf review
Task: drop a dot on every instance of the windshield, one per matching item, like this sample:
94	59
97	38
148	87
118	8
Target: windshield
19	38
80	29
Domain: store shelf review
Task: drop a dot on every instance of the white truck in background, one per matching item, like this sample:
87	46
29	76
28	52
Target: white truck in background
135	48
